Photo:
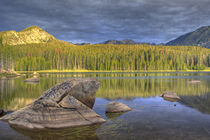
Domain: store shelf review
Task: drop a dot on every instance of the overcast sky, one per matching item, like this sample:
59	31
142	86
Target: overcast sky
99	20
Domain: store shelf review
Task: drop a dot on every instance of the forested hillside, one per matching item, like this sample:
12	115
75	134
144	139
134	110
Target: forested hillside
200	37
106	57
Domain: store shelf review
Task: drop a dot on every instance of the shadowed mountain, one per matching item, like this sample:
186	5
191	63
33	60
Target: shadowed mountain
200	37
30	35
86	43
201	103
126	41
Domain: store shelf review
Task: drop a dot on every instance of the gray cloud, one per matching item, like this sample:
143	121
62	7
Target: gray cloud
98	20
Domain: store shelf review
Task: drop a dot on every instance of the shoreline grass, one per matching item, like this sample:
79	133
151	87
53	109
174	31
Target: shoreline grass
115	71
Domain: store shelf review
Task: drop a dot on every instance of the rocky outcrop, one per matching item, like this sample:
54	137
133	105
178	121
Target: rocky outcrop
67	104
116	107
32	80
169	95
30	35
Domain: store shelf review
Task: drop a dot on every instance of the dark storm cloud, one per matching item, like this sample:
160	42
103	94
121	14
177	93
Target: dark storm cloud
99	20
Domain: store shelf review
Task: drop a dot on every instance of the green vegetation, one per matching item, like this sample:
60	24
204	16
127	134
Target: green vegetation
33	49
102	57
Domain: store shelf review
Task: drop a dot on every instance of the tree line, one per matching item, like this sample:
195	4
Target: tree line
104	57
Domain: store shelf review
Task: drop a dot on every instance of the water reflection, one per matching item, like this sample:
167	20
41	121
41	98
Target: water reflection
154	118
79	133
112	116
201	103
15	94
151	117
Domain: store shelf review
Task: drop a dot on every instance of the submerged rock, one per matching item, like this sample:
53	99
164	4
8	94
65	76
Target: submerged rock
67	104
116	107
32	80
169	95
194	81
113	116
171	99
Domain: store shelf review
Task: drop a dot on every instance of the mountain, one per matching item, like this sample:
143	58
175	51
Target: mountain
126	41
30	35
85	43
200	37
201	102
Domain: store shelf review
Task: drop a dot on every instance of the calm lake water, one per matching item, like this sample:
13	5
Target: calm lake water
151	117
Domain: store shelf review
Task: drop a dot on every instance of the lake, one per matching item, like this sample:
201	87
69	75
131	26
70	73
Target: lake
151	117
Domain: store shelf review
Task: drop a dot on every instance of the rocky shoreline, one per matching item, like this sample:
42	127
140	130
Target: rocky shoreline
5	74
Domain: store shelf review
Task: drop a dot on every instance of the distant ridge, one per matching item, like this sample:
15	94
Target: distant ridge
30	35
200	37
86	43
126	41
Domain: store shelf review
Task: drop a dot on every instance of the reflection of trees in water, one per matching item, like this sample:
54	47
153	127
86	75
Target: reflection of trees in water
201	103
113	116
122	88
6	88
159	123
15	94
78	133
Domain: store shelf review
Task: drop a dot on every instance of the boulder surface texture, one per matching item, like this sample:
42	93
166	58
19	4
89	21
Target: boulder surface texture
67	104
116	107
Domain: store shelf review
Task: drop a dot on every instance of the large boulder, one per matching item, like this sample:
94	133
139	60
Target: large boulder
67	104
168	95
116	107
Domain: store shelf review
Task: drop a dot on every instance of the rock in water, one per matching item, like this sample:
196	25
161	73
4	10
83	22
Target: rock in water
32	80
67	104
116	107
169	95
194	81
